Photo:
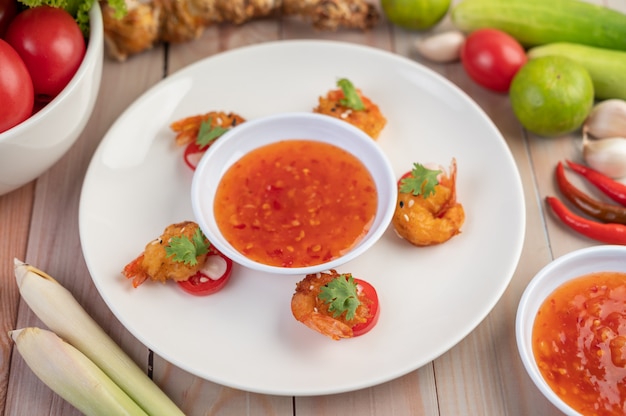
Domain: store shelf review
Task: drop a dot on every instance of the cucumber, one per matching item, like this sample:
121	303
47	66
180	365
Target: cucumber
537	22
606	67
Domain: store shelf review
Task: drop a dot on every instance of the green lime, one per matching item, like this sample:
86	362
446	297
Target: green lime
551	95
415	14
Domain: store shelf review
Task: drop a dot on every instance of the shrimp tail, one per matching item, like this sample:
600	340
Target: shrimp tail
135	271
328	326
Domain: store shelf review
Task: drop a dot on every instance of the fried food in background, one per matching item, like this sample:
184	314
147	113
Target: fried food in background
150	22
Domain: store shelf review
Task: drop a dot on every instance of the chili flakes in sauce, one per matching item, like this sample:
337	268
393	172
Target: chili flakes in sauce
295	203
579	342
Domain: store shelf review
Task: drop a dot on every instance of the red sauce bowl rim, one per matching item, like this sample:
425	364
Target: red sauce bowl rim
560	270
284	126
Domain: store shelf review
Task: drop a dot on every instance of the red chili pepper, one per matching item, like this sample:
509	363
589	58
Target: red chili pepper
607	233
613	189
594	208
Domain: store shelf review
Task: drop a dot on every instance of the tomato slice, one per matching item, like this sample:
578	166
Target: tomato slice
192	155
404	176
371	294
212	278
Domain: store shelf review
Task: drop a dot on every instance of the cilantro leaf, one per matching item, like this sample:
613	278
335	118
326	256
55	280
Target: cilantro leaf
421	181
208	133
352	98
200	243
341	294
184	250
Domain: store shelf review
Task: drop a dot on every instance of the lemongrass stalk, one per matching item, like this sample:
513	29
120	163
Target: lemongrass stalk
61	312
70	374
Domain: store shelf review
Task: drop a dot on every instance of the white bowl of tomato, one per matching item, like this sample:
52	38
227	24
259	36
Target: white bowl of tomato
294	193
571	331
31	146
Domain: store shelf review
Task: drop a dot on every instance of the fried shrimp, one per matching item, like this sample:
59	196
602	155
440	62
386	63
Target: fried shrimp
187	128
316	299
428	217
158	263
368	118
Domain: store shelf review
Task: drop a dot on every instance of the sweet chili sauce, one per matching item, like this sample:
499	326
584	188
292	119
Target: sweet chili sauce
579	342
295	203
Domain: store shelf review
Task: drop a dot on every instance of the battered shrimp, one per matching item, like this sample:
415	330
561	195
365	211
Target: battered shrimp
429	218
187	128
318	314
157	264
369	118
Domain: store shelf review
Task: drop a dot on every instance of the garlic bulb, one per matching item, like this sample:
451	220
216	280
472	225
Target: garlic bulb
607	119
442	47
607	155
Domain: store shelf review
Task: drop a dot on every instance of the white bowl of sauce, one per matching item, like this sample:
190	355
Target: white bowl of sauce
571	331
294	193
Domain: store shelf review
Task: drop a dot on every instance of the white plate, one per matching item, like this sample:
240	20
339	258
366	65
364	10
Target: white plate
245	336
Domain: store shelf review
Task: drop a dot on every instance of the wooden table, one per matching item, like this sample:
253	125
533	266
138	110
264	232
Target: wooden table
482	375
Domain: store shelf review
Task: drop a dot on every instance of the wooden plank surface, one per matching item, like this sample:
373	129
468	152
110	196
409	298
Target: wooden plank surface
53	241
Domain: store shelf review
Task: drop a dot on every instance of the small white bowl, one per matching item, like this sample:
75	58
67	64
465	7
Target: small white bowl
569	266
309	126
30	148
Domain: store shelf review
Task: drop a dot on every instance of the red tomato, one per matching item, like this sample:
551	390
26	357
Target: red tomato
370	293
492	58
8	10
16	88
201	284
51	45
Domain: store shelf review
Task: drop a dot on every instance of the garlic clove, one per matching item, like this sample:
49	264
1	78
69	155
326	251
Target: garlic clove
607	156
442	47
607	119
